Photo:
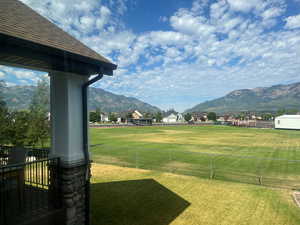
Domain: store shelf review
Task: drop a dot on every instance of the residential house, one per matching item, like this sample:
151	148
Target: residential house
180	118
137	115
199	116
172	118
104	117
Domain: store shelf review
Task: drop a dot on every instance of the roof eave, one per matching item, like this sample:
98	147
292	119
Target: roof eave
23	53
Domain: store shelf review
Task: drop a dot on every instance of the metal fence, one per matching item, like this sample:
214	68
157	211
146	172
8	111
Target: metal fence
32	154
273	172
28	189
119	125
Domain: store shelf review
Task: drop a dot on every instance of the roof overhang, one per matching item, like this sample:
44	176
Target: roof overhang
22	53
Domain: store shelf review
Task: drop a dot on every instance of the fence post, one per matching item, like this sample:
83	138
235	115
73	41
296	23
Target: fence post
260	177
260	181
170	159
136	160
211	168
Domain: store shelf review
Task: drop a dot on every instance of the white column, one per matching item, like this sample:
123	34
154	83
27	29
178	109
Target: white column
66	117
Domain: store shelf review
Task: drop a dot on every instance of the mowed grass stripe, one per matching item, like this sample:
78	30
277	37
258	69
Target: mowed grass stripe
232	150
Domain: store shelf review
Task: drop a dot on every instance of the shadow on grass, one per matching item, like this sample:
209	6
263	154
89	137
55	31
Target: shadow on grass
134	202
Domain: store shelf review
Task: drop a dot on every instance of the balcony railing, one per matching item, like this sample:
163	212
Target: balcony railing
30	189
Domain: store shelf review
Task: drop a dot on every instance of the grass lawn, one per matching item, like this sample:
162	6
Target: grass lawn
226	153
129	196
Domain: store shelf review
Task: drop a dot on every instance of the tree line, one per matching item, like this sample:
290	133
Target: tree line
30	127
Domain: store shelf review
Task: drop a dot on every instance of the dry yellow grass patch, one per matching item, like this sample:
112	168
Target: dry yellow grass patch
181	165
109	159
114	172
210	202
242	140
177	132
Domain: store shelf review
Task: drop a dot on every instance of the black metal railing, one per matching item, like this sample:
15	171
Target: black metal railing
29	189
32	154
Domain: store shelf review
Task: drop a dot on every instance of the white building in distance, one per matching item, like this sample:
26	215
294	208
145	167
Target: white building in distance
172	118
291	122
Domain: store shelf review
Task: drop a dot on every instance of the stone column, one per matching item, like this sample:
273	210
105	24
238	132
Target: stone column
67	143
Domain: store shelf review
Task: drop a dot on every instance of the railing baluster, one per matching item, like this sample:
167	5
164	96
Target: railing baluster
33	186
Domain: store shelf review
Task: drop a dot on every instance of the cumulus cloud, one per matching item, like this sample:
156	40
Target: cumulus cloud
2	74
244	5
293	22
210	48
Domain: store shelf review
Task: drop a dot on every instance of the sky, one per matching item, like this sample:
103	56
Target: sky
178	53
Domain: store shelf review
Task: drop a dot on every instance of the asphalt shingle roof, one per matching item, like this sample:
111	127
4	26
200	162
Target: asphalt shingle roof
20	21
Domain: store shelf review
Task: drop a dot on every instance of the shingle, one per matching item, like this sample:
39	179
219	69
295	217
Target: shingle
20	21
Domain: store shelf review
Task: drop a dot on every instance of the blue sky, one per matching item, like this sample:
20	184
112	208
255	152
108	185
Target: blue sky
178	53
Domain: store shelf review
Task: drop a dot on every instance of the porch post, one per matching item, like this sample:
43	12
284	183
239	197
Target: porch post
67	142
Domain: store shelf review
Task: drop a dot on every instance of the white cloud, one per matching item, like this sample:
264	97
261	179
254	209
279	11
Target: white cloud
190	24
87	23
272	12
104	17
232	23
211	44
244	5
2	75
293	22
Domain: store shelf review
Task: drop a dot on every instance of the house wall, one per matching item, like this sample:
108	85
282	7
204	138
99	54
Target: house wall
169	120
287	123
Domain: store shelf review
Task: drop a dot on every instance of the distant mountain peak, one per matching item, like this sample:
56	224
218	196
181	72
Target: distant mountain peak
19	97
257	99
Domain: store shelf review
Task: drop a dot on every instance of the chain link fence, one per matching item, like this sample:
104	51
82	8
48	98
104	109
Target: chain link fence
273	172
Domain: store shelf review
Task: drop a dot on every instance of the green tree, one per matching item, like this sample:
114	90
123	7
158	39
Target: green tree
3	116
41	100
170	111
187	117
148	115
266	116
18	127
39	131
292	111
112	117
129	115
281	112
2	102
98	115
93	117
158	117
212	116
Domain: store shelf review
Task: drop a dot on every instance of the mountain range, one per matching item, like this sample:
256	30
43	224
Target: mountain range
264	99
19	97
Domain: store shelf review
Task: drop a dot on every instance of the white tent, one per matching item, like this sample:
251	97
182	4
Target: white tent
288	122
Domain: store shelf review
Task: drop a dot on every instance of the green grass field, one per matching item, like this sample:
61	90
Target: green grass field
129	196
259	156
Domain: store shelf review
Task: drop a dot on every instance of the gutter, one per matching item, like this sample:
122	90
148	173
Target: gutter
85	143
